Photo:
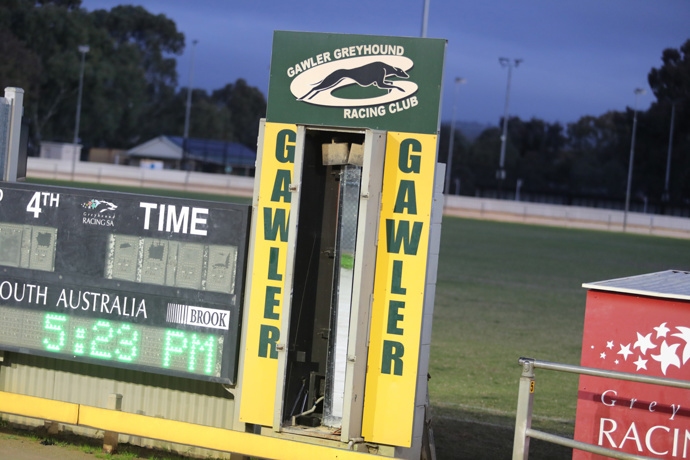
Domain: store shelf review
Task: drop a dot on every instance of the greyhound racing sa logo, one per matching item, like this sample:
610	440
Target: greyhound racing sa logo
364	86
99	206
99	212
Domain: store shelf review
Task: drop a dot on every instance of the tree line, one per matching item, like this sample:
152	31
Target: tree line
131	91
586	162
131	95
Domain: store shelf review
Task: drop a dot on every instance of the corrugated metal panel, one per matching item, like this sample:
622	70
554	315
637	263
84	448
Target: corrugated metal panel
669	284
192	401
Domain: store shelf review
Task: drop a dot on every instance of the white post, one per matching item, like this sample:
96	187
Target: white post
188	109
523	419
16	98
83	49
501	173
666	195
449	161
638	91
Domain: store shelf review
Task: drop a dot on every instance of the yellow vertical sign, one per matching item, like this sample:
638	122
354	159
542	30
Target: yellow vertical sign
397	310
270	236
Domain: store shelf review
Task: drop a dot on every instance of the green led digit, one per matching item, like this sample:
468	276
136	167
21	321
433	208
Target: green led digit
54	322
175	343
79	335
128	346
202	347
101	340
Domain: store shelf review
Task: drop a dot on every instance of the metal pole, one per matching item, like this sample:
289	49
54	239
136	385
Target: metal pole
501	174
83	49
638	91
666	196
523	419
189	92
9	150
449	162
504	135
425	18
188	107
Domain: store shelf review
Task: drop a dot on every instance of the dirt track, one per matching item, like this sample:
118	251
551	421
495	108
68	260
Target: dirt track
37	445
13	447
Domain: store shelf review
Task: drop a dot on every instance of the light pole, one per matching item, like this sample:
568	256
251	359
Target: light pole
83	49
425	18
666	196
449	164
518	186
188	107
501	173
638	91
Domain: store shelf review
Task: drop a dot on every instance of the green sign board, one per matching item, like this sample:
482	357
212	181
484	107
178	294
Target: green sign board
363	81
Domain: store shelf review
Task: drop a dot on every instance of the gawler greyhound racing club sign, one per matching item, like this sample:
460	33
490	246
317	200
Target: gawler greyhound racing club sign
363	81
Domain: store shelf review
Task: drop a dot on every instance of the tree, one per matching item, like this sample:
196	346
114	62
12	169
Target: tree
19	67
671	86
128	70
139	72
672	80
52	31
482	160
246	105
600	148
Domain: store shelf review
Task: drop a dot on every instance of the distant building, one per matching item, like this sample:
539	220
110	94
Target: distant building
106	155
60	151
198	155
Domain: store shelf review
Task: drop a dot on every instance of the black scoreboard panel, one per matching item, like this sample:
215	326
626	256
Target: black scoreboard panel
148	283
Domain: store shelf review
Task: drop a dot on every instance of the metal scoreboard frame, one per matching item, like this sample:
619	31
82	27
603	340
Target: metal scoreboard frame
149	283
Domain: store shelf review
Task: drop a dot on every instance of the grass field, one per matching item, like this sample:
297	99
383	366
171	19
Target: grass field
510	290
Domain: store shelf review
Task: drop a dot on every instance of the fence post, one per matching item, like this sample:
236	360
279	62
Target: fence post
110	438
523	420
10	132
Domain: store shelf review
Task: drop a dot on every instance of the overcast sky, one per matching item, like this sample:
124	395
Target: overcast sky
581	57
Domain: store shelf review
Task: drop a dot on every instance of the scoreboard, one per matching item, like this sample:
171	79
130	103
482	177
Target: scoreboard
148	283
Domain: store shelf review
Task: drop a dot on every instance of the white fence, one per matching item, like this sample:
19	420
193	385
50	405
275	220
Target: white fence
462	206
566	216
105	173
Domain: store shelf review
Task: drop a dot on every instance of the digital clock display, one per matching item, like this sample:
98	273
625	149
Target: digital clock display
117	342
147	283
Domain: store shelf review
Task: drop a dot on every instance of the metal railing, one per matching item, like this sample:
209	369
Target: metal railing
523	419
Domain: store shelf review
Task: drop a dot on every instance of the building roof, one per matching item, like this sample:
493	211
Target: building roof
670	284
203	150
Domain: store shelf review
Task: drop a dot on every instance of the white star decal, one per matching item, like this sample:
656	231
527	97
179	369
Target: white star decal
661	330
667	356
616	362
609	344
644	343
602	355
625	351
685	335
641	363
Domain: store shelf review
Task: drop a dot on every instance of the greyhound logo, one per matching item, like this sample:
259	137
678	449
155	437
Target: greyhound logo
374	73
318	85
99	205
